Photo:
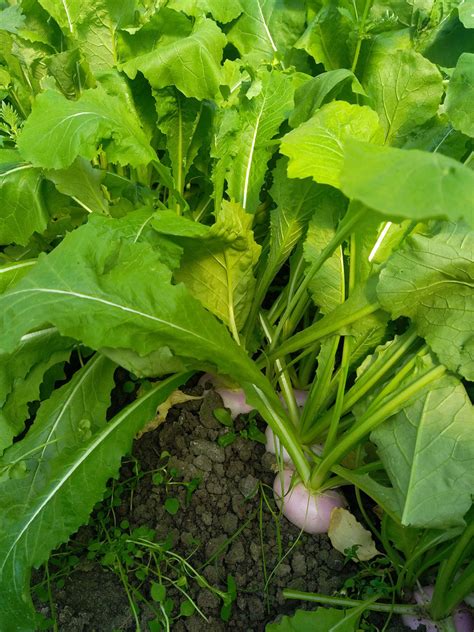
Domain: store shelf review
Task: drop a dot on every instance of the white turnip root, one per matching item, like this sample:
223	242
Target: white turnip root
469	599
274	447
461	618
233	399
310	512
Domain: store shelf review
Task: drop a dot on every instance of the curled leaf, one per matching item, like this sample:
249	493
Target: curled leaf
346	532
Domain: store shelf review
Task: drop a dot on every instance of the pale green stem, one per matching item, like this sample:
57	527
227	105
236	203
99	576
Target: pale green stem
368	422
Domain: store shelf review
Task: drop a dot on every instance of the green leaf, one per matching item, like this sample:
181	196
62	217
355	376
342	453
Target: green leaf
69	470
187	608
58	131
155	364
96	30
466	13
404	88
428	452
12	272
67	13
221	11
65	67
186	124
92	288
437	135
172	506
191	63
430	280
92	26
22	211
259	119
327	619
320	89
460	95
21	376
316	148
83	183
218	269
158	592
267	29
11	19
297	201
421	185
448	39
327	287
327	37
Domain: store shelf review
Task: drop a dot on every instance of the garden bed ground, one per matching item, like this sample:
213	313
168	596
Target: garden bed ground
224	527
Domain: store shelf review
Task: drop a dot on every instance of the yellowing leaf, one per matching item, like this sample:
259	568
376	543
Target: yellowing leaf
176	397
345	532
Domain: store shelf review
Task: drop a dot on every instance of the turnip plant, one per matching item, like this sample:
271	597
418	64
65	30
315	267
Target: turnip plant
277	194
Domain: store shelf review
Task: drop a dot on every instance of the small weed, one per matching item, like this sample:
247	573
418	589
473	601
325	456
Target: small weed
154	577
250	431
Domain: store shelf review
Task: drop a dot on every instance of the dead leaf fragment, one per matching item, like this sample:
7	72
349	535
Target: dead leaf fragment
345	532
176	397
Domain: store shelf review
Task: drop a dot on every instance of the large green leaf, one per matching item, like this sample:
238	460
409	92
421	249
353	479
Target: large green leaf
96	32
431	280
59	130
65	459
11	19
296	201
408	183
22	211
460	95
67	13
327	287
323	619
327	38
404	88
12	272
267	29
316	148
92	26
320	89
93	288
428	452
256	122
83	183
186	124
221	11
466	13
21	375
218	261
190	62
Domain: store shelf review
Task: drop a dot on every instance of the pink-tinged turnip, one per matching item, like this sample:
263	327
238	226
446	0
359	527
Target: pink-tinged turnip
469	599
308	511
273	446
233	399
461	620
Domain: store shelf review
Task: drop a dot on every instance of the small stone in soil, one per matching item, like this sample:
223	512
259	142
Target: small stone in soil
215	544
248	486
203	463
298	564
236	554
229	523
209	449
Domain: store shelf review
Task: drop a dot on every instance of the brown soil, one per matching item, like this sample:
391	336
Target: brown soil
223	528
